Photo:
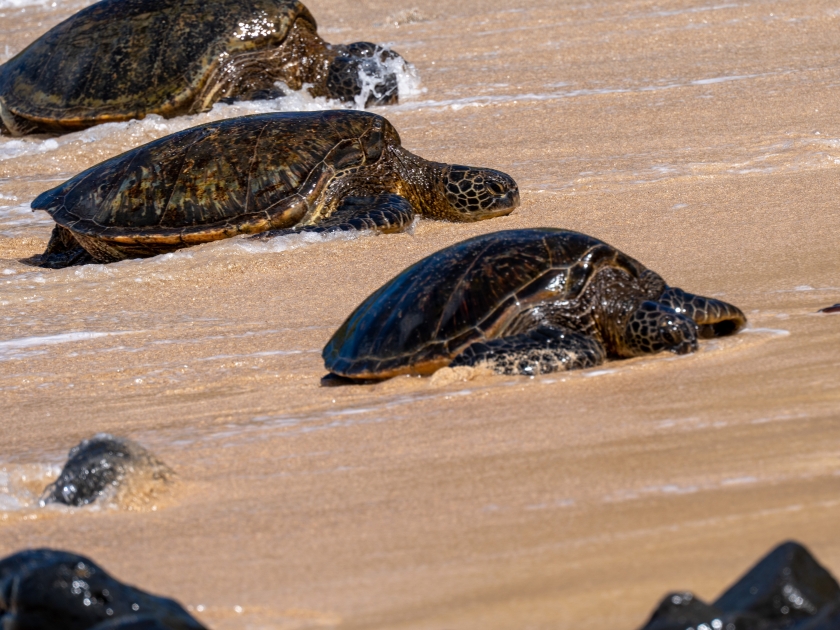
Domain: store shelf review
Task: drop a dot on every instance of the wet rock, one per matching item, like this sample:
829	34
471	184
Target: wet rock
111	467
827	619
786	586
786	590
682	610
45	589
831	309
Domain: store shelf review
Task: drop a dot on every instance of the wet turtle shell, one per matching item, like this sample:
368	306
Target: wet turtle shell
330	170
417	322
122	59
236	176
507	296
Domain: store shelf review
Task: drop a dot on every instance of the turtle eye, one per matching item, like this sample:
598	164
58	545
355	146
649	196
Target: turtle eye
475	192
496	188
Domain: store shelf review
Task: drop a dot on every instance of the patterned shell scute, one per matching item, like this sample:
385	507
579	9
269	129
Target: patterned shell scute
216	174
125	54
450	298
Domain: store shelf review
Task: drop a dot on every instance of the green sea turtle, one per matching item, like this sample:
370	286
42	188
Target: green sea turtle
521	302
331	170
122	59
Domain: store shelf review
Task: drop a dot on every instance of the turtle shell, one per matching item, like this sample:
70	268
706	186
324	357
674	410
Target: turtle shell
216	180
121	59
419	321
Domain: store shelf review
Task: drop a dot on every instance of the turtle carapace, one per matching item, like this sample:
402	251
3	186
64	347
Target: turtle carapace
121	59
313	171
526	302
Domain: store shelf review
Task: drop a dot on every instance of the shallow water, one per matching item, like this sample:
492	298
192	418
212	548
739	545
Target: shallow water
700	137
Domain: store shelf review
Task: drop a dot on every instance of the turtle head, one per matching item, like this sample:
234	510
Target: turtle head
364	74
655	327
467	193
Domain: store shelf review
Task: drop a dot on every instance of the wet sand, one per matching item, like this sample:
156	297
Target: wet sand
702	139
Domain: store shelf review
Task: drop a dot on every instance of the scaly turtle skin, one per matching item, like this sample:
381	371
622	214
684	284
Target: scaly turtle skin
521	302
319	171
123	59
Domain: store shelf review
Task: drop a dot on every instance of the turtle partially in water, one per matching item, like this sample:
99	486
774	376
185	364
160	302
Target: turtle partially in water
122	59
315	171
528	302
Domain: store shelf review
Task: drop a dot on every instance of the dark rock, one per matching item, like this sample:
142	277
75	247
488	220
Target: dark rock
100	466
786	590
684	611
786	586
44	589
827	619
679	611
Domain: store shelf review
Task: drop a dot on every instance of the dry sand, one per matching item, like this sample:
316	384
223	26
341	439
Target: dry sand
702	138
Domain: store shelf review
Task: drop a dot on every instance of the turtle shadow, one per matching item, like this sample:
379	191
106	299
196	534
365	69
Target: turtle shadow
334	380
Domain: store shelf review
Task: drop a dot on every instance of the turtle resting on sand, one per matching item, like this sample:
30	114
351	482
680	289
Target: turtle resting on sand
521	302
106	466
320	171
123	59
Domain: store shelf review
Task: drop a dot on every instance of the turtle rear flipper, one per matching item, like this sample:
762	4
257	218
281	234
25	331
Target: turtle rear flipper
539	351
713	317
387	214
62	251
14	125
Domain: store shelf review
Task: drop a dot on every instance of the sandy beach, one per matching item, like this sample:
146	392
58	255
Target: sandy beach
701	138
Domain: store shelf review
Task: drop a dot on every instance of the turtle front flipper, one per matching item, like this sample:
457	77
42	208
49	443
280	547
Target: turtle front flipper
714	318
62	251
539	351
387	214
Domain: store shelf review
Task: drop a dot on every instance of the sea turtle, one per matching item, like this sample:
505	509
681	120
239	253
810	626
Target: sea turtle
122	59
330	170
527	301
104	466
46	589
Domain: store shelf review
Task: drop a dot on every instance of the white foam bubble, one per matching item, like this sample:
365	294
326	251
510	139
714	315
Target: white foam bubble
408	79
776	332
289	242
591	373
28	342
21	216
16	147
16	4
12	212
20	485
11	348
